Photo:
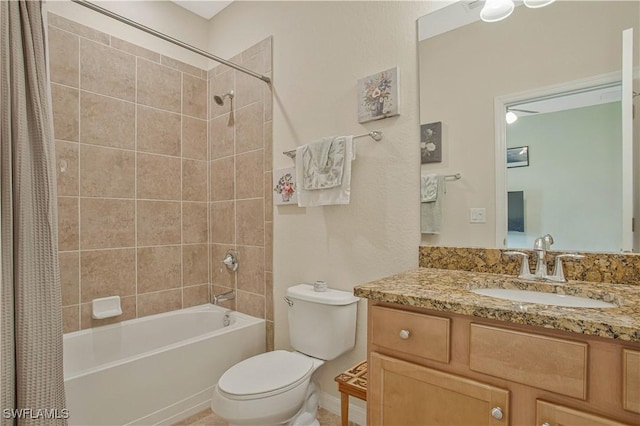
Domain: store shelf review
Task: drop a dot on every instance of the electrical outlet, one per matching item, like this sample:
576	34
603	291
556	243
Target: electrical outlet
478	215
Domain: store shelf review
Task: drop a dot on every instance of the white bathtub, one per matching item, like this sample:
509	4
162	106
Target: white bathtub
157	369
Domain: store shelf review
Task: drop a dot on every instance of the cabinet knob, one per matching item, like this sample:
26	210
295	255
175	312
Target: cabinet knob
496	413
545	424
404	334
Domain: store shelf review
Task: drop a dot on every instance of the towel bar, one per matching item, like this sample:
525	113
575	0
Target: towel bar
376	135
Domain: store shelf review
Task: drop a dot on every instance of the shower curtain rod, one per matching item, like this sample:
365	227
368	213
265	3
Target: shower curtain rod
170	39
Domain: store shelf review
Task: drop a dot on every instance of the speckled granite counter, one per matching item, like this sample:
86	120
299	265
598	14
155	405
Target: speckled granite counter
448	291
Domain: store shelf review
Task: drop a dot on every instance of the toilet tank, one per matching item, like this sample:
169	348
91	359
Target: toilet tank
321	324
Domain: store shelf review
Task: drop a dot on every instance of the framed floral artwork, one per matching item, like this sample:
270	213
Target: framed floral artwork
284	186
431	143
378	96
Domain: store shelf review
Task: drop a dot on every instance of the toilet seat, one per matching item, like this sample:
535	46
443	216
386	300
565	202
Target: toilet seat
265	375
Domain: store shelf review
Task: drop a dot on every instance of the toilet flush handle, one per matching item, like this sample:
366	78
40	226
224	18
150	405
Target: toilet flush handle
289	301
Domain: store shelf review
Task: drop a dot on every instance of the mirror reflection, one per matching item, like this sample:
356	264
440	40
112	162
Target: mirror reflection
558	168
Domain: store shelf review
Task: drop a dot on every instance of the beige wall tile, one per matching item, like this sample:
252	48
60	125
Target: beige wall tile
219	85
249	128
134	49
249	89
106	273
195	264
68	227
65	112
70	277
128	305
220	275
250	222
250	174
227	304
222	179
250	304
194	223
156	303
107	172
181	66
158	86
268	145
194	138
270	336
64	54
158	131
70	318
106	223
107	71
194	180
79	29
268	100
251	275
261	51
268	196
269	296
107	121
195	295
67	167
223	222
221	137
194	96
158	223
158	177
268	246
159	268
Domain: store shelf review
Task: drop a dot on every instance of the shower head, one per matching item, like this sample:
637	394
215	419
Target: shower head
220	99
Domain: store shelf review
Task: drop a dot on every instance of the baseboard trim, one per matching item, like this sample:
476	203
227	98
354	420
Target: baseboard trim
330	403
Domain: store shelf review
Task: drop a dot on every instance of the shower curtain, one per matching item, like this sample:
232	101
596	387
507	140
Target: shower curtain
32	386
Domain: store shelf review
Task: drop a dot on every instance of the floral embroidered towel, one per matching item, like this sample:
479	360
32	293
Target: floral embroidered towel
428	188
323	163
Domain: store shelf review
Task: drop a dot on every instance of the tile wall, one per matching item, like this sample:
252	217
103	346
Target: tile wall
148	201
241	177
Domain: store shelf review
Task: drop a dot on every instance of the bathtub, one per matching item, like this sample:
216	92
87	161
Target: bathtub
157	369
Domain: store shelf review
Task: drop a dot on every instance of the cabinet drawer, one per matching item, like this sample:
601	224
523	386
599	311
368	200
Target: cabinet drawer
416	334
552	414
544	362
631	380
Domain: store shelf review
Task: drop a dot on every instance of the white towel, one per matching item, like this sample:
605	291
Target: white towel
431	211
323	163
322	197
428	188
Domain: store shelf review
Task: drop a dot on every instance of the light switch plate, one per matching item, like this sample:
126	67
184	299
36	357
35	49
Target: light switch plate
478	215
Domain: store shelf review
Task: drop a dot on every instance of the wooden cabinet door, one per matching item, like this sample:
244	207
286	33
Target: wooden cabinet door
403	393
548	414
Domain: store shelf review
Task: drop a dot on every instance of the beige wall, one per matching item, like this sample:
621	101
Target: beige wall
131	146
459	80
320	50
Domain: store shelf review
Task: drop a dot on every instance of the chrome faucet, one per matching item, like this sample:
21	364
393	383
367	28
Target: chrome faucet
540	246
217	298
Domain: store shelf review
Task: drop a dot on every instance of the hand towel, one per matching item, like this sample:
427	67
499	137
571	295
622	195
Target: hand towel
431	211
328	196
323	163
428	188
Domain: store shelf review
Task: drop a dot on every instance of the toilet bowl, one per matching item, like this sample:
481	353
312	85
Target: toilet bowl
273	388
279	387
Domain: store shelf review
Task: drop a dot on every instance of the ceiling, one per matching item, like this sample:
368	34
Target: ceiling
205	8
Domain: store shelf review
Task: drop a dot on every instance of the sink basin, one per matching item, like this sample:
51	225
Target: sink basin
543	298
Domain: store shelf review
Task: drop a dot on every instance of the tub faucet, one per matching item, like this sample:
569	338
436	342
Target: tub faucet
217	298
540	246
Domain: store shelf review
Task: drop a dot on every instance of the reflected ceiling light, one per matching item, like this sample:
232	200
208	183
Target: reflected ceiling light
534	4
511	117
496	10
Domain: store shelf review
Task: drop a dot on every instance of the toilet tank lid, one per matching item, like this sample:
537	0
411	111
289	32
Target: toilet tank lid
330	297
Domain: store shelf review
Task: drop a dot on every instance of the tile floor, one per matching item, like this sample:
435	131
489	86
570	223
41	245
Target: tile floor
209	418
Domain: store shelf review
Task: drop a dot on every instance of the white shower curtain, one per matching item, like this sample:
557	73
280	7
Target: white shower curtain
32	386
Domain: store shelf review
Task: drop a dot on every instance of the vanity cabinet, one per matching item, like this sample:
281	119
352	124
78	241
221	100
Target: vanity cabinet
439	368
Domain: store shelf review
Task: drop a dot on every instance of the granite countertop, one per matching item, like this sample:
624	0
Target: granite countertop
448	291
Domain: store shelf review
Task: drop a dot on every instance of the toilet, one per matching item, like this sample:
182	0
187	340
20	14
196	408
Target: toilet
279	387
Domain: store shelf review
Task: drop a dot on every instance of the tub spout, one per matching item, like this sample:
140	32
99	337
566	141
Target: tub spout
217	298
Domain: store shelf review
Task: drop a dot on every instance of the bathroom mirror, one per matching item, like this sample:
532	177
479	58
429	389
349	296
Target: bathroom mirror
472	72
